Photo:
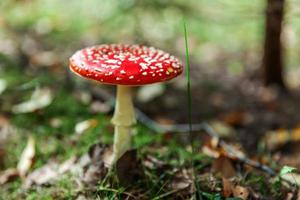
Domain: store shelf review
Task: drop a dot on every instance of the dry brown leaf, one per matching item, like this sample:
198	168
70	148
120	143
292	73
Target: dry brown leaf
49	172
8	175
100	156
56	122
67	165
289	196
41	97
276	139
93	174
3	121
43	175
85	125
240	192
210	152
3	85
181	180
81	197
153	163
101	153
292	177
224	166
227	187
164	121
100	107
27	157
222	129
234	118
129	168
2	156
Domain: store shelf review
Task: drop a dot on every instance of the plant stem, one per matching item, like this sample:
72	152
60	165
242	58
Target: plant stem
123	120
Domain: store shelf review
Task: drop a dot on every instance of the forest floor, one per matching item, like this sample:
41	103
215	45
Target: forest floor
55	130
56	136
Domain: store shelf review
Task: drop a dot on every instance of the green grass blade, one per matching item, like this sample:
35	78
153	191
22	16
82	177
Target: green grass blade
189	101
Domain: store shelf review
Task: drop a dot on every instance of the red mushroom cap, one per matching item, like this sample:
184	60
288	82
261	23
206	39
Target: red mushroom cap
120	64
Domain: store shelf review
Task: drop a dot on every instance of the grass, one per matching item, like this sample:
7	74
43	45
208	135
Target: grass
56	143
207	30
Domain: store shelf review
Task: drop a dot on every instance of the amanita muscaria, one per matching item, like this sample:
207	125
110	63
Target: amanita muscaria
124	66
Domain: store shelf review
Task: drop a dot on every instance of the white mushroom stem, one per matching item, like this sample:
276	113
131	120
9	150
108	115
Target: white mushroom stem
123	120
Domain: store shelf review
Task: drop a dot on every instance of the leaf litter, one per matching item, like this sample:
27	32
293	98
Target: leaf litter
26	158
40	98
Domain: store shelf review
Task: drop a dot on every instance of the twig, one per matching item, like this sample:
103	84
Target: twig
232	152
147	121
185	128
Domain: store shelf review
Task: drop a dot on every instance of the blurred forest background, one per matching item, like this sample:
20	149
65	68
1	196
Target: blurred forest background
236	49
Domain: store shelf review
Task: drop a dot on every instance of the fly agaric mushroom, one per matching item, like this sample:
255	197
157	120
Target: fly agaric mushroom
124	66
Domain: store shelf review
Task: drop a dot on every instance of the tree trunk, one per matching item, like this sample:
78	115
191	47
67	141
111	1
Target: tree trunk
272	60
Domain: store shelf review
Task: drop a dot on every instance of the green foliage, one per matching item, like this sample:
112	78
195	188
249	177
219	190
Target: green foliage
287	170
210	196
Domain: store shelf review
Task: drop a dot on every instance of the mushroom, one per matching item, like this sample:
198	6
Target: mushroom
124	66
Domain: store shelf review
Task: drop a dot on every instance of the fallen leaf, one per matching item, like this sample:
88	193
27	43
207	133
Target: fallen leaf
40	98
81	197
180	184
101	153
100	156
93	174
164	121
44	58
67	165
292	177
85	125
49	172
56	122
129	168
100	107
149	92
224	166
181	180
276	139
240	192
8	176
210	152
3	85
27	157
3	121
43	175
223	130
287	170
2	156
153	163
289	196
227	187
84	97
234	118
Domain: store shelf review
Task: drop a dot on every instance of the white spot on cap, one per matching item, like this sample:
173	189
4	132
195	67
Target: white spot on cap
144	65
112	61
159	65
